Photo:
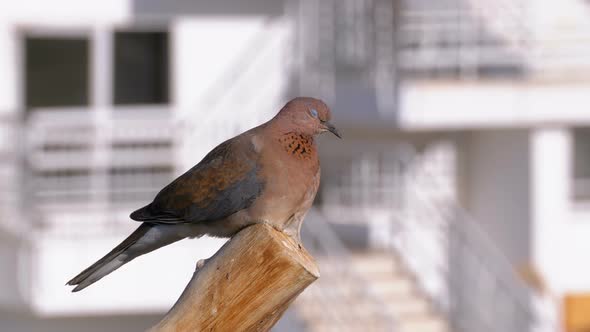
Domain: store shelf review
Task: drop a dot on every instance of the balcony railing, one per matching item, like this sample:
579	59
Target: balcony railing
96	161
380	41
462	38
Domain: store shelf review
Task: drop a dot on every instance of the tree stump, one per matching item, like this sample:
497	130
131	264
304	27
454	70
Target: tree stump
246	286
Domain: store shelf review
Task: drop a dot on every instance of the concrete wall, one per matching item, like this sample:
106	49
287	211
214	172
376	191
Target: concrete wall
517	184
11	322
112	323
496	187
481	104
148	284
561	229
9	92
14	276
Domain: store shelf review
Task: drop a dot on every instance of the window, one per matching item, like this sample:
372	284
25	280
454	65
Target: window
141	68
56	72
581	164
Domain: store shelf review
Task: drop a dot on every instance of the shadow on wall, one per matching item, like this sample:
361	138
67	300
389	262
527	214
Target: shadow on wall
24	323
205	7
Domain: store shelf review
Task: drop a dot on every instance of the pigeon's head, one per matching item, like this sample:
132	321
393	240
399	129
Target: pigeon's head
307	116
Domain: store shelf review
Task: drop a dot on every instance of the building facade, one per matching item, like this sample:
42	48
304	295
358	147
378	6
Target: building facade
465	151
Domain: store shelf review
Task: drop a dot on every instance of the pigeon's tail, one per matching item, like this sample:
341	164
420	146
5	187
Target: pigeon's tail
145	238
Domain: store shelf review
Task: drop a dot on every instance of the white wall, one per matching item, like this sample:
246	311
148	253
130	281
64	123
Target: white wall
496	190
210	54
11	322
148	284
560	232
437	105
14	273
63	13
231	74
37	16
9	93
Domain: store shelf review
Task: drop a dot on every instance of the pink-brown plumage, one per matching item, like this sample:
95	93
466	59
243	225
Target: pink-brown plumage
269	174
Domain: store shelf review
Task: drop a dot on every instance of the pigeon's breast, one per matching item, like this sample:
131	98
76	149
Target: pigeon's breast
290	173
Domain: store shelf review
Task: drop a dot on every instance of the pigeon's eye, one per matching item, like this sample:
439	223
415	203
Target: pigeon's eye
313	112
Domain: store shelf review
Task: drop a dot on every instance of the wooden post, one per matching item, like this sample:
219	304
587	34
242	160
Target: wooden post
246	286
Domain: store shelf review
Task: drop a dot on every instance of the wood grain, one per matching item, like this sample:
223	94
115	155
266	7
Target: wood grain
246	286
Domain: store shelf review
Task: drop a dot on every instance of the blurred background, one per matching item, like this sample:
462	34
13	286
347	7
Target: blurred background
457	201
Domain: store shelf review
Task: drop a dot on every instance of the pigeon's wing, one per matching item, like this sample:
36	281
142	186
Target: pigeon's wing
223	183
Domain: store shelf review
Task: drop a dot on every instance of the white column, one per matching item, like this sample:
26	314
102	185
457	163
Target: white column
101	79
550	188
9	67
101	68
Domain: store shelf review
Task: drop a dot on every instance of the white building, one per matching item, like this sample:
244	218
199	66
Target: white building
465	151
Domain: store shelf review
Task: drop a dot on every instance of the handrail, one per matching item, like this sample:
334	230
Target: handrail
453	260
470	245
467	272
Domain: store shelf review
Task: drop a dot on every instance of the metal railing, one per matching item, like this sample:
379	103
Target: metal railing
341	299
83	169
370	180
464	38
88	164
453	260
464	272
381	41
474	38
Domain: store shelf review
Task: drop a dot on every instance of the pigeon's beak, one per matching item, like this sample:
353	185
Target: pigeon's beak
330	127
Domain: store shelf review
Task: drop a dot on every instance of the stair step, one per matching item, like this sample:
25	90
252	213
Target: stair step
377	263
430	323
409	306
364	326
351	310
360	310
396	286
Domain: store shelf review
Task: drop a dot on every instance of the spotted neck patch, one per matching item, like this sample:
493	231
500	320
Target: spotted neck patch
300	146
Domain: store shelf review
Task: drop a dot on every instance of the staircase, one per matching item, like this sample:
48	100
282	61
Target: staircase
397	289
342	299
440	270
386	277
361	291
395	285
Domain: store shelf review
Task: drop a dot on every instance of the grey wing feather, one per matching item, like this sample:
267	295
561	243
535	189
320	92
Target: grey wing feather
223	183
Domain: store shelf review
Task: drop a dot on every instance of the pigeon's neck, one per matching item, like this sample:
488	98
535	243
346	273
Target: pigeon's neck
299	145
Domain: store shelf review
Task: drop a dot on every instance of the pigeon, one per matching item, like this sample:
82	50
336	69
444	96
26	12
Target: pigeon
268	174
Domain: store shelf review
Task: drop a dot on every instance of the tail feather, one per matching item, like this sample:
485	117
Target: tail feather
98	274
110	262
